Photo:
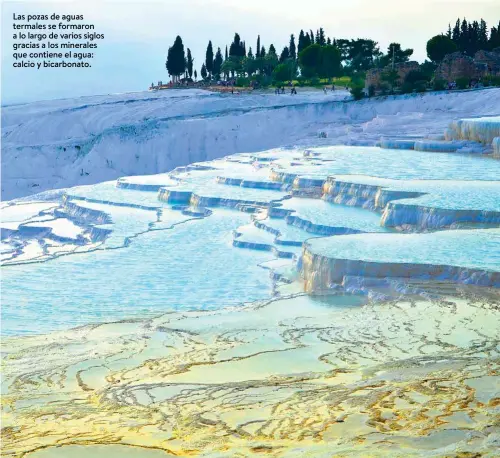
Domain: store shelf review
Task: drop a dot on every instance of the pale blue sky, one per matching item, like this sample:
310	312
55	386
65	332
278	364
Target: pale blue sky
138	34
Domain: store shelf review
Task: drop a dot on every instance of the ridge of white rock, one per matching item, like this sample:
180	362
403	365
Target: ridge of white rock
65	143
325	262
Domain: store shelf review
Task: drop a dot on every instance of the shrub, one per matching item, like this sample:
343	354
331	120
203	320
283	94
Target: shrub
407	88
439	85
357	92
342	81
428	68
242	82
371	90
462	82
385	88
301	81
315	81
414	76
420	86
390	77
491	80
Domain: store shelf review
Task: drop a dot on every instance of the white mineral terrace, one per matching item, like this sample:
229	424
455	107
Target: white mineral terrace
317	299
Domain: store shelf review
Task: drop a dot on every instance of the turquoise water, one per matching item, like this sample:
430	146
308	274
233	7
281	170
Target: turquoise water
154	261
324	213
478	248
193	266
400	164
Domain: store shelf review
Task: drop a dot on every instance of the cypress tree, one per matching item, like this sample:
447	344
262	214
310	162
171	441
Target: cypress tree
262	52
257	55
203	71
226	73
464	36
291	48
168	62
189	63
455	35
236	48
285	54
494	40
217	63
176	60
311	37
322	40
483	35
302	42
209	58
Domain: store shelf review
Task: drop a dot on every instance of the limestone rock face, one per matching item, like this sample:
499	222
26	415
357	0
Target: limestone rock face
373	76
489	59
403	68
457	65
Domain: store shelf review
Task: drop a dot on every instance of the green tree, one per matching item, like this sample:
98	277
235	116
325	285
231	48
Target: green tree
189	63
391	77
285	54
270	60
249	64
204	72
257	54
415	76
232	65
209	59
195	75
428	68
237	47
439	46
291	48
226	57
321	37
361	53
464	36
284	71
309	60
455	34
329	62
396	54
483	35
217	63
494	39
176	60
303	44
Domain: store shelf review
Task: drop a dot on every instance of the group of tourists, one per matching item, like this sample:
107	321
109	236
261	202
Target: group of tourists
281	90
